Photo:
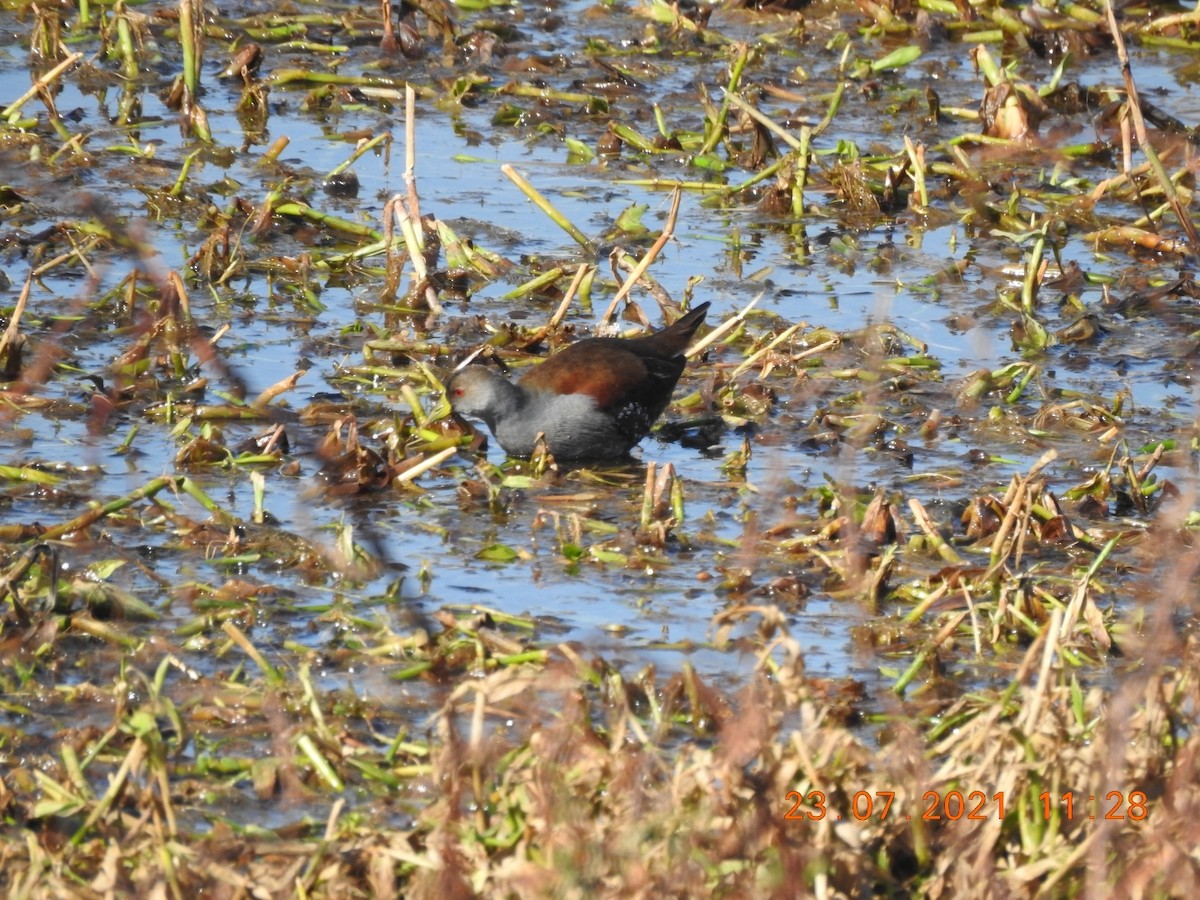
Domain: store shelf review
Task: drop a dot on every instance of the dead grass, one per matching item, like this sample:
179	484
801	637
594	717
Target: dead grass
169	728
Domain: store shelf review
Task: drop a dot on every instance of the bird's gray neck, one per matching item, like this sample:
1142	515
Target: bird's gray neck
505	402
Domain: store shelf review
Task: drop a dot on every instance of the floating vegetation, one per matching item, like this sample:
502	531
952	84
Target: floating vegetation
899	598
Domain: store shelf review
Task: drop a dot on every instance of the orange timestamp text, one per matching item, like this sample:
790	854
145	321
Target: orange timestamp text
971	806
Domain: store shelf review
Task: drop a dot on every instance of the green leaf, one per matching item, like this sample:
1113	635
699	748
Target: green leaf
630	219
497	553
710	162
578	151
608	556
897	59
103	569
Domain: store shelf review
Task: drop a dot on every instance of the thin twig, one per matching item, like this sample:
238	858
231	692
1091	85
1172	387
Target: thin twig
410	151
1134	106
14	321
13	109
644	263
723	329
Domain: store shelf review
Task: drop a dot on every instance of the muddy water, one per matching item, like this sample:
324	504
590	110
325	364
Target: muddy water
934	277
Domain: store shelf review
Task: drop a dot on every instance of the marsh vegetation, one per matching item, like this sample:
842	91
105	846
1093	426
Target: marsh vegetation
899	599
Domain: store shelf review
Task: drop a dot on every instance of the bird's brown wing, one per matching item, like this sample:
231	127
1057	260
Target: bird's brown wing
631	377
601	368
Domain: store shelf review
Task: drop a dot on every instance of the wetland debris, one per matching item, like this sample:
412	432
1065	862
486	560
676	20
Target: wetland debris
311	726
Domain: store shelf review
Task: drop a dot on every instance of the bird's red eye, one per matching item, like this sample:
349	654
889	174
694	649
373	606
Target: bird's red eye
458	392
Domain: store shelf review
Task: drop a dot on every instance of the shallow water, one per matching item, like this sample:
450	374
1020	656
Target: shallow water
832	269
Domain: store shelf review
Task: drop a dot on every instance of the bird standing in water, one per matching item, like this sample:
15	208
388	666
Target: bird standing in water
594	400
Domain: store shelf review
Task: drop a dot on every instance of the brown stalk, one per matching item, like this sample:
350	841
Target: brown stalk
721	330
280	387
667	232
556	319
410	151
1139	126
14	322
10	112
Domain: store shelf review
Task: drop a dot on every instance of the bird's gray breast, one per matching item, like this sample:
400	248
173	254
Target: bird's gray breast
573	426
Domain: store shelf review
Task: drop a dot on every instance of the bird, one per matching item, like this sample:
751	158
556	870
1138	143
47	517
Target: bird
594	400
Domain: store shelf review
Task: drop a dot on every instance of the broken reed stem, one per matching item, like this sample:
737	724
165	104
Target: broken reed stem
425	465
239	637
800	174
927	652
966	592
321	765
116	785
14	322
1080	600
1033	270
1015	502
187	36
1174	20
1134	106
916	158
1050	635
718	127
658	184
12	111
413	231
835	101
780	338
277	148
263	400
175	283
647	515
126	48
921	517
580	274
547	207
774	127
259	488
94	515
535	284
644	263
567	299
723	329
405	211
177	189
410	151
362	148
75	253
